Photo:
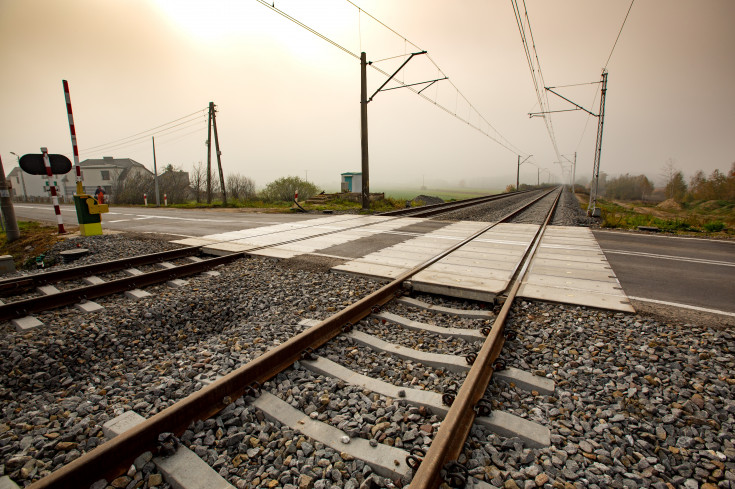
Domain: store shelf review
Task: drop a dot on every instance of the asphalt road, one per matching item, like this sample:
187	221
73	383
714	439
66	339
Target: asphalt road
688	271
176	222
683	271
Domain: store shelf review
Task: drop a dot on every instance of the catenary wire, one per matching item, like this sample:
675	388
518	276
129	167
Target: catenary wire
620	32
506	144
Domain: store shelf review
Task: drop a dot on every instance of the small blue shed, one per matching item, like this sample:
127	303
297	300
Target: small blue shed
351	182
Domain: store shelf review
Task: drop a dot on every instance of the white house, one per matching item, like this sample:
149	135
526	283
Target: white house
33	187
105	173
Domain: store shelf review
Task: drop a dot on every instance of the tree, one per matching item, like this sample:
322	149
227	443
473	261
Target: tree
198	181
284	188
174	182
629	187
676	188
131	190
240	187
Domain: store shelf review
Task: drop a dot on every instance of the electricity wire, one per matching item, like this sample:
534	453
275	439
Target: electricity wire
144	139
189	116
500	139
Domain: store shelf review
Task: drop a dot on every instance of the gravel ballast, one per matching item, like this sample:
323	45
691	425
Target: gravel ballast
639	402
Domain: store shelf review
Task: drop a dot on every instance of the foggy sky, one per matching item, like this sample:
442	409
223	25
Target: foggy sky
289	102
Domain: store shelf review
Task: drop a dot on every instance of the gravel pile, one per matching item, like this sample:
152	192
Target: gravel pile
427	200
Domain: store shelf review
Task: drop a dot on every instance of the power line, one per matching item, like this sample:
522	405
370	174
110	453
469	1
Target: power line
144	139
146	131
620	32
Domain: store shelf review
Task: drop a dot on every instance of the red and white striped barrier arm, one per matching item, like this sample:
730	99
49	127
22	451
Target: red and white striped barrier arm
80	188
52	188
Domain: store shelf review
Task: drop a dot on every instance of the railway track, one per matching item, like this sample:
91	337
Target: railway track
446	207
38	292
114	457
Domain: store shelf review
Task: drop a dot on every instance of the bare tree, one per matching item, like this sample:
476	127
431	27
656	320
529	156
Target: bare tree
174	182
198	181
240	187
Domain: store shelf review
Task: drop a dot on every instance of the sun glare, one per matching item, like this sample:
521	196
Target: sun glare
217	21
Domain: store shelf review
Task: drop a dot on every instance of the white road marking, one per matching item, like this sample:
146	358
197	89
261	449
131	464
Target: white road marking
639	235
683	306
672	257
170	234
119	220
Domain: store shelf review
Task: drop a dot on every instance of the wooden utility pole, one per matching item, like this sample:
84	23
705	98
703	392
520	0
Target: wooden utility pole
219	153
6	205
209	154
364	132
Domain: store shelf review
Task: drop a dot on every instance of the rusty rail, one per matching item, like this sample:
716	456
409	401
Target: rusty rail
449	440
115	456
14	285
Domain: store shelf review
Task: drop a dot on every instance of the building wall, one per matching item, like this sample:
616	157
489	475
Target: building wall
35	185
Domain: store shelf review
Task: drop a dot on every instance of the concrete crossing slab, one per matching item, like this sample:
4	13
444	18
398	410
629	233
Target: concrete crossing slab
581	275
569	265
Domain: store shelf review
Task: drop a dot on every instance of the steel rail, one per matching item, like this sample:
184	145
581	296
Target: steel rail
453	431
13	285
36	304
433	209
68	297
114	457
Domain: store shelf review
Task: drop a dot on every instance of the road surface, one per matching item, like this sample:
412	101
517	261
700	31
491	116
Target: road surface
690	271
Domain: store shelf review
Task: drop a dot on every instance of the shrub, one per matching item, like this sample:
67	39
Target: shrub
283	189
714	226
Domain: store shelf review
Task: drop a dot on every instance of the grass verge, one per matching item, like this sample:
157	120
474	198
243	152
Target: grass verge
35	239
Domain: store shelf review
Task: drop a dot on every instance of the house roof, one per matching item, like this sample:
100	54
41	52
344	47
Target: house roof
125	163
109	160
352	173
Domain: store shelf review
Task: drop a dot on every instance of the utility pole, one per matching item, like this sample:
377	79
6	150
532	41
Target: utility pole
6	205
592	207
209	154
518	171
364	132
219	153
364	100
574	170
155	172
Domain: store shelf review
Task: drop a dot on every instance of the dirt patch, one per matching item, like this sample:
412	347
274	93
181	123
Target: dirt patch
34	241
670	205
